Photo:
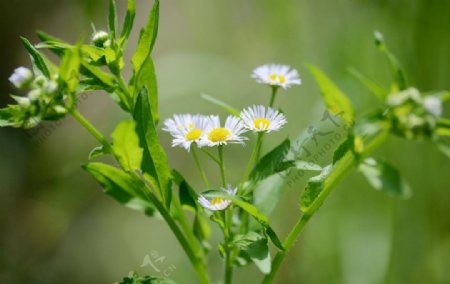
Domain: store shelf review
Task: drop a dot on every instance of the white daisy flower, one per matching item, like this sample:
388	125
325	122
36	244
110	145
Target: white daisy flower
21	77
276	75
217	135
260	119
186	129
218	203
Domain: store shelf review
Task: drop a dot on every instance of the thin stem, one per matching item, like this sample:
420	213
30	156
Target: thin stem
272	97
91	128
211	156
341	169
253	156
199	166
228	249
222	167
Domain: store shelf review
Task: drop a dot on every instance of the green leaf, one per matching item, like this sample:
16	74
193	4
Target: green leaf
146	78
128	23
97	152
119	185
443	127
146	39
136	279
371	85
221	104
335	100
69	69
400	81
384	177
186	193
126	146
155	163
343	148
255	247
112	19
314	187
269	164
39	61
100	76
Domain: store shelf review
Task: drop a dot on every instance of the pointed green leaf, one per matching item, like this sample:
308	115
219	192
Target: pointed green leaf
187	194
146	78
384	177
269	164
314	187
112	19
126	146
119	185
155	163
255	247
231	110
39	61
400	81
335	100
69	69
371	85
128	23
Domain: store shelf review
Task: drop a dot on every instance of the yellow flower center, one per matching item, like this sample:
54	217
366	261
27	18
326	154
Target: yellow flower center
219	134
261	123
217	201
274	77
193	134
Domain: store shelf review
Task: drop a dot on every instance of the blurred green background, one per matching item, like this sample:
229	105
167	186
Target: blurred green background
56	226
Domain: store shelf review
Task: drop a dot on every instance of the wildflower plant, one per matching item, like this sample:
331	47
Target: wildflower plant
144	180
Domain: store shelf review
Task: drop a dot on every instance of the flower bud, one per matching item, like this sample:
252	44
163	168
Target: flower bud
100	38
23	102
51	87
34	94
21	78
433	105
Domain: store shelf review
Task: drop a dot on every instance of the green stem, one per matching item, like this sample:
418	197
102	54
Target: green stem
210	156
253	156
272	97
341	169
199	166
91	128
196	262
222	167
228	249
127	100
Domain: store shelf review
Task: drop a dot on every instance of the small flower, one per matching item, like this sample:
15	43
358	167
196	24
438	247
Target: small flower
217	135
433	105
258	119
100	38
218	203
186	129
276	75
21	78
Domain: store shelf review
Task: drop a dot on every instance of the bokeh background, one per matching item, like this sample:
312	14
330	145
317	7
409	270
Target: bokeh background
56	226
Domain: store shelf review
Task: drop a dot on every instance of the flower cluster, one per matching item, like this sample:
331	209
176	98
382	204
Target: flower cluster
187	129
198	130
42	102
413	115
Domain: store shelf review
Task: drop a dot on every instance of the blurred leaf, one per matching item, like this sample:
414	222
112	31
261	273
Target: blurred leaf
136	279
255	247
371	85
314	187
186	193
269	164
147	39
384	177
443	127
128	23
126	146
222	104
112	19
154	161
400	81
343	148
298	165
69	69
202	230
443	146
97	152
266	194
335	100
39	62
119	185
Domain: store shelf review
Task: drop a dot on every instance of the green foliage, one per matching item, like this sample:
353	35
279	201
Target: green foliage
40	63
270	163
154	162
69	69
335	100
384	177
371	85
136	279
112	19
128	23
119	185
254	246
126	146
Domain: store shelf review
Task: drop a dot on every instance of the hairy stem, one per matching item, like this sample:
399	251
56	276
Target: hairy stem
199	166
